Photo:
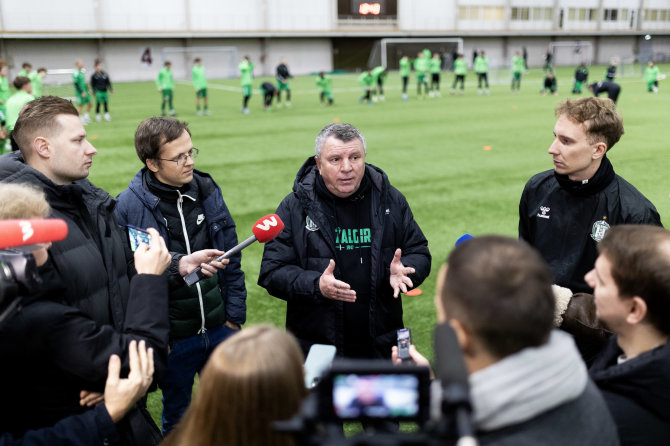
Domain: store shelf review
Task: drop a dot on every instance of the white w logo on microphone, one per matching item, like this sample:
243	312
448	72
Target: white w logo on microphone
272	221
26	230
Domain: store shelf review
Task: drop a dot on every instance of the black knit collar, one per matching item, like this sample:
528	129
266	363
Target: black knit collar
603	176
362	191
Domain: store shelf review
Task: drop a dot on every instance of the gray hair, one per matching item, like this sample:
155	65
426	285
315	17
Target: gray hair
342	131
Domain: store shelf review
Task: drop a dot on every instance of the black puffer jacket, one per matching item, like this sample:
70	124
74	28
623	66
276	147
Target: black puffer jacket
294	261
637	393
93	261
51	351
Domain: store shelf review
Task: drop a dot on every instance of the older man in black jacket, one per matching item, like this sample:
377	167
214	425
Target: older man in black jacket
350	245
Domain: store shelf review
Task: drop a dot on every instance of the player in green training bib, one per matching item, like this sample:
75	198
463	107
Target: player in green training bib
460	69
366	80
18	100
435	67
200	85
421	68
81	92
36	79
165	85
246	78
651	74
283	76
379	77
325	83
405	68
518	66
481	67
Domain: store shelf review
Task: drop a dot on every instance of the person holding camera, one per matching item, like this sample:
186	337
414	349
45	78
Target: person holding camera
96	426
528	384
56	356
94	263
349	247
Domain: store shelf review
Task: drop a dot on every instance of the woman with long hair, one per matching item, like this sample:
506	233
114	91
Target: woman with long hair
251	380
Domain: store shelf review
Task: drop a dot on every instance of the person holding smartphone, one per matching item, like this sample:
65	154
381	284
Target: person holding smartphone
94	264
56	358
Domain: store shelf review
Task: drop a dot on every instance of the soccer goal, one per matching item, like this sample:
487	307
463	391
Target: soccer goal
571	53
220	62
59	83
387	52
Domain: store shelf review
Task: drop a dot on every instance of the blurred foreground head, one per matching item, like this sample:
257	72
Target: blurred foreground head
497	292
251	380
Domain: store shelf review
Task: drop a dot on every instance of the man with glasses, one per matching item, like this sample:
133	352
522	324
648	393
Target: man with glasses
93	265
187	208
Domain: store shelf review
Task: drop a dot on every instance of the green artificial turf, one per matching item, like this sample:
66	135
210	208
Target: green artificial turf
433	151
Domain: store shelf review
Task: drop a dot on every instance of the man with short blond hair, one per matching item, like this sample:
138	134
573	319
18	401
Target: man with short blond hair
566	211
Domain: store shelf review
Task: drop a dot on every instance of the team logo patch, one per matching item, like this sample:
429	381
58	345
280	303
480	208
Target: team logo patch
310	225
599	229
544	212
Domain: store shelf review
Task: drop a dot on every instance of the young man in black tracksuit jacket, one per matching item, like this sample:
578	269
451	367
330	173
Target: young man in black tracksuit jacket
350	245
187	208
565	212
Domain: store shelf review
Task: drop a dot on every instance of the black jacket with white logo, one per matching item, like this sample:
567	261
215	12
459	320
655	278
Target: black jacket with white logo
564	220
294	261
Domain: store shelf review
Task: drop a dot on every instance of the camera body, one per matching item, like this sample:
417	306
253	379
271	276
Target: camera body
369	390
18	277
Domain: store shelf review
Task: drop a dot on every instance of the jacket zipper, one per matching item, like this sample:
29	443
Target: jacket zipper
180	200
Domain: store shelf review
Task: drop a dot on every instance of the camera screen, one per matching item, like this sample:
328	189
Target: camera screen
376	396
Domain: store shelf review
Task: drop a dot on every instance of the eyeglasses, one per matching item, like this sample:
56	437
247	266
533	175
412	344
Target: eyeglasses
181	159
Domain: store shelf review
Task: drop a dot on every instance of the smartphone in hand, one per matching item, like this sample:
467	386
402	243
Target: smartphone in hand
404	341
136	236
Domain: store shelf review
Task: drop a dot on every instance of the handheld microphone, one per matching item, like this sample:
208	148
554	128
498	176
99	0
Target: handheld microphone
30	232
265	229
455	385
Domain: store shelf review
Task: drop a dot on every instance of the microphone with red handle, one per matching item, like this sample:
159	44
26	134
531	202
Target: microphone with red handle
265	229
24	232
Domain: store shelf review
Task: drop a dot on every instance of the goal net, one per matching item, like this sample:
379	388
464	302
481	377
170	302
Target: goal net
59	83
387	52
219	62
571	53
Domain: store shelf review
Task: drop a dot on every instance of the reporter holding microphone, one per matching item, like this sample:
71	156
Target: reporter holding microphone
187	208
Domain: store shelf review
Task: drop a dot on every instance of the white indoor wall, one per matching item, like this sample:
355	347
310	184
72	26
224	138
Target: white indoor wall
226	15
315	15
429	15
303	56
45	16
